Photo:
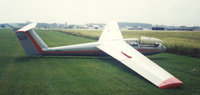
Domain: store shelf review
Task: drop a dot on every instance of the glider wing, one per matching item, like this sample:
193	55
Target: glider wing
130	57
114	45
111	32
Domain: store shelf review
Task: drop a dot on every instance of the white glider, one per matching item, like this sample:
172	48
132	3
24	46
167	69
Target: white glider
127	51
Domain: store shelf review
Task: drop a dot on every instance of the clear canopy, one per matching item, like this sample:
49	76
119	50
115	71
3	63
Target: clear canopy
150	41
145	41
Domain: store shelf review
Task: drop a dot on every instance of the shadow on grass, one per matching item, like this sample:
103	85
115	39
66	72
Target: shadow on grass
157	58
37	58
64	57
115	63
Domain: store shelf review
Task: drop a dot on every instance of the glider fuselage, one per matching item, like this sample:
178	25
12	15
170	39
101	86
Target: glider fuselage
34	45
89	49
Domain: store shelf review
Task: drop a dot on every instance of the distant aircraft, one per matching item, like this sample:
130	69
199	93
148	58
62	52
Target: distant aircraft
127	51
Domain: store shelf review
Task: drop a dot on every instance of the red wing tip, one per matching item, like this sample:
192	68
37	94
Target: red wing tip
170	83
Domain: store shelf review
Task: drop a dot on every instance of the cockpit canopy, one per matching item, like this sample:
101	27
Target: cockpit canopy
150	41
132	41
145	41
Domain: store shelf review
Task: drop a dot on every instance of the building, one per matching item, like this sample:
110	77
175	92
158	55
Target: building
101	27
158	28
90	27
83	27
137	28
181	28
95	26
126	28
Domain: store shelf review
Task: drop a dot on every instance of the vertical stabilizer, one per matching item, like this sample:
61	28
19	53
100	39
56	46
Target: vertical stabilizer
30	41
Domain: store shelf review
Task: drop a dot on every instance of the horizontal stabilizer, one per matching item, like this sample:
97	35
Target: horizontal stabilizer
27	27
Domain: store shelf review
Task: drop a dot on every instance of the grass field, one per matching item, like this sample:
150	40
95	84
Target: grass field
177	42
22	74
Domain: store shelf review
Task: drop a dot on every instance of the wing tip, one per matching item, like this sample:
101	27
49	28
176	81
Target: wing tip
170	83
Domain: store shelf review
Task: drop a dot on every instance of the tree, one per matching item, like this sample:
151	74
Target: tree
70	26
3	25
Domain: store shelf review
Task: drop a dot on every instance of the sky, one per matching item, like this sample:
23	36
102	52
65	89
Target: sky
165	12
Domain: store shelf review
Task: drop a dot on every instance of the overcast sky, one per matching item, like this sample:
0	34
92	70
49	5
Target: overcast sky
167	12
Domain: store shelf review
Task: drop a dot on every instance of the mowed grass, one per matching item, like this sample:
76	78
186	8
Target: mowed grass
23	74
177	42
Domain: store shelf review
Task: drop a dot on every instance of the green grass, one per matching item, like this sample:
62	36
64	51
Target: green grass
23	74
177	42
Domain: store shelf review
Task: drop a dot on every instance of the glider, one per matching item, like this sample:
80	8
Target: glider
130	52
